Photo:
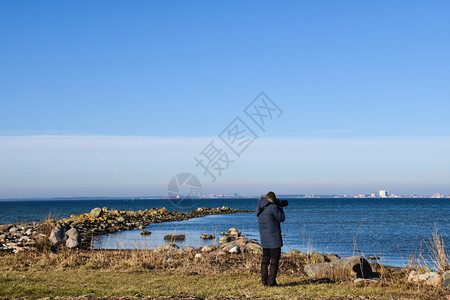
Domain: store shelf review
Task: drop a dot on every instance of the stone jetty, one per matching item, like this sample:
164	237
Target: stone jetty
78	231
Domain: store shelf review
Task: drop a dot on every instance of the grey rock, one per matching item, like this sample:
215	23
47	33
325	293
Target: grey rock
218	253
207	249
431	278
73	234
24	238
5	227
207	236
224	239
235	250
294	252
413	276
316	257
364	281
57	236
175	251
347	268
166	247
446	275
332	257
228	246
13	229
254	248
373	258
174	237
3	236
72	243
95	212
446	280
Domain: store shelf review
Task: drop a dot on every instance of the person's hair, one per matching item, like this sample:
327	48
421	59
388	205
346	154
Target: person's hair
271	196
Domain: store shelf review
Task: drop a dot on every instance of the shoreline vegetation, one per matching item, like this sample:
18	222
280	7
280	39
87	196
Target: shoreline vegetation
54	259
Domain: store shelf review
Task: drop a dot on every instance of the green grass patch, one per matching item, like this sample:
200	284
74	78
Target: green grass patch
102	283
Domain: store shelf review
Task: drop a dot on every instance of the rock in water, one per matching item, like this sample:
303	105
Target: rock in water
57	236
175	237
146	232
207	236
347	268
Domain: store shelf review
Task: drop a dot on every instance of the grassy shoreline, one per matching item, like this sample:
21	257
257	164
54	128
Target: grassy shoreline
147	273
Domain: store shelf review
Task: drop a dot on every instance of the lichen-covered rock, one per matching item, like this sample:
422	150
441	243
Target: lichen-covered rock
316	257
95	212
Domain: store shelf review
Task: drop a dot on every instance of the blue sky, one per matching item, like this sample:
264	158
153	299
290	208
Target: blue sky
362	73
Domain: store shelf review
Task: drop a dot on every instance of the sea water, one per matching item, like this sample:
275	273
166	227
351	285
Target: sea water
393	229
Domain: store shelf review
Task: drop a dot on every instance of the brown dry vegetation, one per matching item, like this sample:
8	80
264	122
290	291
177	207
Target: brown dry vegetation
147	273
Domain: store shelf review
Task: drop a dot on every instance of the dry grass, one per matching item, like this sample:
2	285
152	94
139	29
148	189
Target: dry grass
437	252
149	273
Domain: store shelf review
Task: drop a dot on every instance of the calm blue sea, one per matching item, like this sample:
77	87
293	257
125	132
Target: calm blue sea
392	229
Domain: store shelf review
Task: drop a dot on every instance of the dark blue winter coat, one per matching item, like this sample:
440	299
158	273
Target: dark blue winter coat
269	224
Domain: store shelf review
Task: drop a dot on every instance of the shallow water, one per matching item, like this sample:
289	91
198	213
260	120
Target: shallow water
389	228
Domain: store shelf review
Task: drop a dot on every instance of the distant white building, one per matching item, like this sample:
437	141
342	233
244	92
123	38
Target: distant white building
383	193
438	195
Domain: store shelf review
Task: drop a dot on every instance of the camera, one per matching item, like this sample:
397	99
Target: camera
281	203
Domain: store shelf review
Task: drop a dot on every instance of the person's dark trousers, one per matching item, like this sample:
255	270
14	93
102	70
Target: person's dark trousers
270	257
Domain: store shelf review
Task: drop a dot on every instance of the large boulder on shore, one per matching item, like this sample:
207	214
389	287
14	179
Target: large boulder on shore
346	268
57	235
73	238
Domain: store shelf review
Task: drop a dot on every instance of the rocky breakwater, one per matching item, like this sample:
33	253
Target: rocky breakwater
78	231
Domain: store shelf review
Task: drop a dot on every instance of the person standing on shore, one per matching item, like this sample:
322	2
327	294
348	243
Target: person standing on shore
270	215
